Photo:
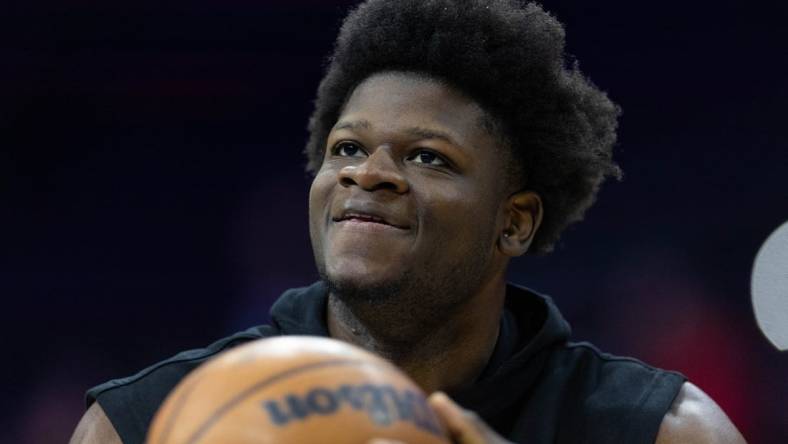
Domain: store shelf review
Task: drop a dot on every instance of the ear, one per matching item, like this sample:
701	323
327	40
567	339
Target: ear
523	217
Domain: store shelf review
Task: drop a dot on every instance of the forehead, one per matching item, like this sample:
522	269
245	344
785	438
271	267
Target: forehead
392	101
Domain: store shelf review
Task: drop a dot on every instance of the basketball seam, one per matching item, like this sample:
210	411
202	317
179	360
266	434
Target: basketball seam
229	405
176	410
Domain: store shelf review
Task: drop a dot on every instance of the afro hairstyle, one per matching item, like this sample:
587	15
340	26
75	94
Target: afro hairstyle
509	57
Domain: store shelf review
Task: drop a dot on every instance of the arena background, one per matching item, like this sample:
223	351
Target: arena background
153	199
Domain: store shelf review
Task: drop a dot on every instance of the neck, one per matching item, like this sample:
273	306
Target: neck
439	353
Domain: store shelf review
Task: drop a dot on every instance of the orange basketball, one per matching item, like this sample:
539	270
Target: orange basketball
295	389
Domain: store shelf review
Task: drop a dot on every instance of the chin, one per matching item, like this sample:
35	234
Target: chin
361	270
363	285
360	281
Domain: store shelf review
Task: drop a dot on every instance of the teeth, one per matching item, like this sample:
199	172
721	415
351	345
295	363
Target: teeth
364	217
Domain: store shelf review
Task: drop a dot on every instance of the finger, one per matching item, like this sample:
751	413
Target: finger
464	426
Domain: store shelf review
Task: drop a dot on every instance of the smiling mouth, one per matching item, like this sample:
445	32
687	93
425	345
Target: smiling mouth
361	218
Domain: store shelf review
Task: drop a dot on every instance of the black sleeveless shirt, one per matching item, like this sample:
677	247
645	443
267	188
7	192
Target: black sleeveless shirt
537	387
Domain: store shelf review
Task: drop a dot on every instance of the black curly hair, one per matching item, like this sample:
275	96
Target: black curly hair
509	57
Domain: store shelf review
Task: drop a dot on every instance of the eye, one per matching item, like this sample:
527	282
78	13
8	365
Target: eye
427	158
348	149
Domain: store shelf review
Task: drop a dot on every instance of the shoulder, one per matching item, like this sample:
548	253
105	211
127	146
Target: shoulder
695	418
629	379
612	398
183	362
95	428
130	403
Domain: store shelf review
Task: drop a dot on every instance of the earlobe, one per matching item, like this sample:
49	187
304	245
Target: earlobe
524	215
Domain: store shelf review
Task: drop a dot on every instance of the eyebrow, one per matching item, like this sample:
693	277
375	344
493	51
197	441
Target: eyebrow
356	124
417	131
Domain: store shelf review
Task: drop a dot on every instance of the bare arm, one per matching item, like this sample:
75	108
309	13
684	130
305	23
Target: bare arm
693	418
95	428
696	418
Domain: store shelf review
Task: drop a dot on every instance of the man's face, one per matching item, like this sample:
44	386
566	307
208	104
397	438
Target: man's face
410	190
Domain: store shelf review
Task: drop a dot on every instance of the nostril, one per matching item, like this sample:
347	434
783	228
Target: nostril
386	186
371	178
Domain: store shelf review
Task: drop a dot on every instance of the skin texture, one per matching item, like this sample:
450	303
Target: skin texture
389	283
693	419
95	428
428	294
696	418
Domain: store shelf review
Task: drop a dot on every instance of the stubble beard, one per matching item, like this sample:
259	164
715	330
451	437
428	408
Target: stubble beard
409	307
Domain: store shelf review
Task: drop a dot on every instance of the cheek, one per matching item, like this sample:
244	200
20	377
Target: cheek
457	217
319	205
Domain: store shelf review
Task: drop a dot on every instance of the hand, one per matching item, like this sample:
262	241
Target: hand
463	426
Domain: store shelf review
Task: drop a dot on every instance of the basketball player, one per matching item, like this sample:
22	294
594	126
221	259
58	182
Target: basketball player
448	137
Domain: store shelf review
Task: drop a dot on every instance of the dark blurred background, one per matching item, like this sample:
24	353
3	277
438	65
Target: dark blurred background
153	197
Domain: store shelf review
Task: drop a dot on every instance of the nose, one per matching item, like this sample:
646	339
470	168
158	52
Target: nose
378	171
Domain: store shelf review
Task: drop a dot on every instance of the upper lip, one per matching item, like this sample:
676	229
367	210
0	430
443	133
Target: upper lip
369	213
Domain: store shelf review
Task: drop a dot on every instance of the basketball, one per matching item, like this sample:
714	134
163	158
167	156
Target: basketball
295	389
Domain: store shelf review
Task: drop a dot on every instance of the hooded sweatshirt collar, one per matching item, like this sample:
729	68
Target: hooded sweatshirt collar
535	322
